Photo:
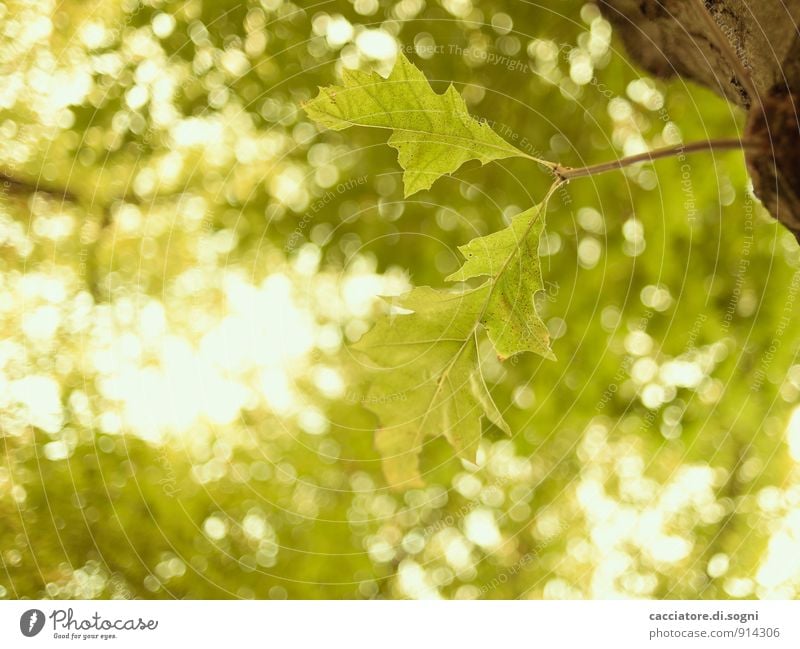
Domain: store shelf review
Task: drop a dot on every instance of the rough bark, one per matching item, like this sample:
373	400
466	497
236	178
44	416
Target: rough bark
672	37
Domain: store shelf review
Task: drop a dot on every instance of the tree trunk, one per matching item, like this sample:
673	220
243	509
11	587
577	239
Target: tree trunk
745	50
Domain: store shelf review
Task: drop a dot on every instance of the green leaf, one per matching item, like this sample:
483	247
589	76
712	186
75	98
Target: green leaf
433	134
425	374
510	258
426	377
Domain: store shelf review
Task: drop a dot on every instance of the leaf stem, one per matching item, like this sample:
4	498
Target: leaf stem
542	210
569	173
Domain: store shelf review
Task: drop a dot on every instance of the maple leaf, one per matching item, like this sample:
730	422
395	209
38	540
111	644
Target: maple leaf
433	134
425	367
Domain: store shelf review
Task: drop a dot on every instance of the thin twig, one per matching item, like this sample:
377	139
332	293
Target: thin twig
18	186
21	186
568	173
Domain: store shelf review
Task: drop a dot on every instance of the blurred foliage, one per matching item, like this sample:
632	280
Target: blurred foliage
184	256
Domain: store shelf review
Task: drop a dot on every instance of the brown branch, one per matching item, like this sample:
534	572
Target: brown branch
23	187
569	173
